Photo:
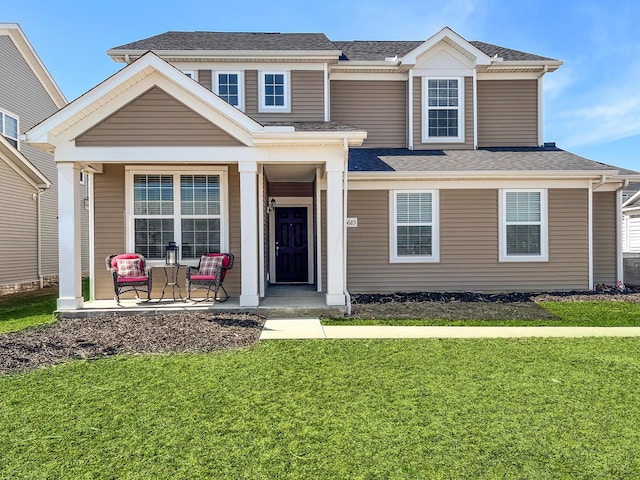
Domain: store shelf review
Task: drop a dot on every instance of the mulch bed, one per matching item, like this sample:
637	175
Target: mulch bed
104	336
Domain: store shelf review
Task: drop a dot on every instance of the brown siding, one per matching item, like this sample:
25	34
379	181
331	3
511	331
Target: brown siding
379	107
508	113
307	97
155	118
604	238
467	262
290	189
204	78
418	115
110	231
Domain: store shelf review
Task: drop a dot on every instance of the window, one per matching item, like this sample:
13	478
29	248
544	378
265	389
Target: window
229	87
185	207
9	128
191	74
274	91
523	224
443	112
414	226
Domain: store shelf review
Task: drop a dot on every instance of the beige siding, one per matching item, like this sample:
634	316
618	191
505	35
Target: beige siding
604	238
155	119
379	107
110	231
468	262
290	189
307	97
418	115
204	78
18	227
508	113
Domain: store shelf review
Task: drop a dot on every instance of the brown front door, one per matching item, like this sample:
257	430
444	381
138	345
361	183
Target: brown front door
292	264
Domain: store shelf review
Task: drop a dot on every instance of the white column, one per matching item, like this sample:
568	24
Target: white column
249	296
69	245
335	225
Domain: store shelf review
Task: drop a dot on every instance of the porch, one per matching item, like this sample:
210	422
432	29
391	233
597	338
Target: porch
281	301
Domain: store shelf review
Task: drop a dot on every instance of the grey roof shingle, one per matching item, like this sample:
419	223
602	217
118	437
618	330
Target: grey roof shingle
314	126
351	50
232	41
495	159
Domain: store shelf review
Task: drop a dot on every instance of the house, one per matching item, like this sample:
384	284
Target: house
631	218
353	166
28	219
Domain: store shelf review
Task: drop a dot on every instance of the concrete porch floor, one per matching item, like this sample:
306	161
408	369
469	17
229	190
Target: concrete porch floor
280	301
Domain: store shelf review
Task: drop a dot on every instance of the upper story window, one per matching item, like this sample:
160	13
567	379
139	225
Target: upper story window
9	127
229	86
523	225
191	74
275	92
443	113
414	229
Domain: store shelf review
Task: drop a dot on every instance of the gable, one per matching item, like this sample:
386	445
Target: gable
155	118
443	59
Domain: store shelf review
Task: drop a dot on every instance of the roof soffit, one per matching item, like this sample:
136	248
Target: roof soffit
22	166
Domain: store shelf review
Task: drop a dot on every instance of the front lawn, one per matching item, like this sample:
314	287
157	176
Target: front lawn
27	309
369	409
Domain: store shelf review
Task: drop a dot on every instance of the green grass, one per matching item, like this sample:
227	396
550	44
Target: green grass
27	309
30	309
349	409
586	314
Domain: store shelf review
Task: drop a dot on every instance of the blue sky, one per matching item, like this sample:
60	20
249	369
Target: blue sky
592	103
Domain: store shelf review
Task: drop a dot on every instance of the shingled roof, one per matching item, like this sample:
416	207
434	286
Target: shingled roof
220	41
401	160
355	50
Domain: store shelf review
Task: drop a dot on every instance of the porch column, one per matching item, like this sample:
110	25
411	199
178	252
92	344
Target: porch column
69	254
335	225
249	296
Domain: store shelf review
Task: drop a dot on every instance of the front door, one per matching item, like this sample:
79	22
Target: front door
292	261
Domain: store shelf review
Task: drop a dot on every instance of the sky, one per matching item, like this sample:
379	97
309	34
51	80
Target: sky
592	103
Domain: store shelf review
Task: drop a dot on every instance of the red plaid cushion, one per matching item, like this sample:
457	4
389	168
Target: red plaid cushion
210	265
129	267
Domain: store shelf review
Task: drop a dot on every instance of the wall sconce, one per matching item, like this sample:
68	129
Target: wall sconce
272	205
171	253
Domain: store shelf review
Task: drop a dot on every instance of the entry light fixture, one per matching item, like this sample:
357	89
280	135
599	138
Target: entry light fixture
272	205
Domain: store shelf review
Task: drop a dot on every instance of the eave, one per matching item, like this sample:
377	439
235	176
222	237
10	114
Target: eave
611	175
127	56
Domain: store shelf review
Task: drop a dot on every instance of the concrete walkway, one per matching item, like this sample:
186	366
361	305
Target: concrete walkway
300	328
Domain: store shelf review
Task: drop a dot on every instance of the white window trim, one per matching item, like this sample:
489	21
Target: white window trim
224	205
544	227
5	114
435	229
425	112
216	85
286	108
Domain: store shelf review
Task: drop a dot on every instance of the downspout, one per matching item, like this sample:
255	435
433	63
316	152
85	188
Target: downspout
347	295
541	106
410	122
39	237
475	109
590	232
619	255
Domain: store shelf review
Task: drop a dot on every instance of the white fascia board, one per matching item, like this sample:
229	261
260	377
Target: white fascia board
131	79
370	76
484	174
354	138
22	166
462	183
481	57
27	51
632	199
121	55
551	65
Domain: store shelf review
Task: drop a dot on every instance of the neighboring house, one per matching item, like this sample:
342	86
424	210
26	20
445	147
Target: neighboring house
28	219
631	219
353	166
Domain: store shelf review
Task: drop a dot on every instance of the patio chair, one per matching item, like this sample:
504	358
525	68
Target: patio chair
209	274
130	274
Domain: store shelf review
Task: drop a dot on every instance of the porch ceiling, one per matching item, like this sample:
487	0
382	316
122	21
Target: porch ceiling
290	173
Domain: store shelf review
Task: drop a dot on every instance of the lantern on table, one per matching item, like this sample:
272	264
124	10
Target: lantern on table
171	253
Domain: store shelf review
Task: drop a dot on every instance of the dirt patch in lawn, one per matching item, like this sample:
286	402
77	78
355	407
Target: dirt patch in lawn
104	336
